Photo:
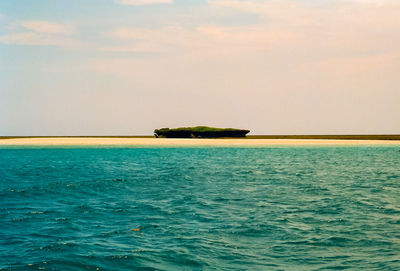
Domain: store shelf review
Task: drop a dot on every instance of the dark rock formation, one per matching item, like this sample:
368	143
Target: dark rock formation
199	131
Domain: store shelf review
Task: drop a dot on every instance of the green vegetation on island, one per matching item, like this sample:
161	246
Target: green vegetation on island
200	131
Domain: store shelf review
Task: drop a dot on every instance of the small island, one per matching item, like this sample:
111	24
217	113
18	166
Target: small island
200	132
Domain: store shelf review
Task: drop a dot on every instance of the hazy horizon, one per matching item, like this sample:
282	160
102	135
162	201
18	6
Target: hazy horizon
127	67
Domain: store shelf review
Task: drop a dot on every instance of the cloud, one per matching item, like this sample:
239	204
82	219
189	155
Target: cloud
204	39
306	29
301	13
143	2
133	39
42	33
34	38
48	27
290	35
134	48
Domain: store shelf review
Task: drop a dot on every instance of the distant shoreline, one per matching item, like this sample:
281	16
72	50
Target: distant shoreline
332	137
193	142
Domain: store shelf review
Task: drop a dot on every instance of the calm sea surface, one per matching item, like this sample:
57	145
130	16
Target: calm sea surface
283	208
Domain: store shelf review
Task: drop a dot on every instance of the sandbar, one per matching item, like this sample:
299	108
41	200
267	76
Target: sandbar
185	142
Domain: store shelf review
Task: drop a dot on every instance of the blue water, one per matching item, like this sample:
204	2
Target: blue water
286	208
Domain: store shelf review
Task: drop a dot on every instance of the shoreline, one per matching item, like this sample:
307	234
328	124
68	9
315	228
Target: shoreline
320	136
185	142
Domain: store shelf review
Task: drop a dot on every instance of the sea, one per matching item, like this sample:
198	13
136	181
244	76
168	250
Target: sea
200	208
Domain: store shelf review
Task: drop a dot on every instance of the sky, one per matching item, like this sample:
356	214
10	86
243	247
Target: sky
127	67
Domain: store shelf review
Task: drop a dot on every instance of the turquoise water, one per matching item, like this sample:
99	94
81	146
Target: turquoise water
286	208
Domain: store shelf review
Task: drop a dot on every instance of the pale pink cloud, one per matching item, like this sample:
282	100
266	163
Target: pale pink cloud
143	2
41	33
48	27
33	38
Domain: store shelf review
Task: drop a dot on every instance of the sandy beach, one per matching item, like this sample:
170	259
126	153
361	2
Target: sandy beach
115	141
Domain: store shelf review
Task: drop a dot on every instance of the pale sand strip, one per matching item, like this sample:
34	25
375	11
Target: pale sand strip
94	141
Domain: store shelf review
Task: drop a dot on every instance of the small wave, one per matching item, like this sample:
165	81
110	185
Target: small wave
119	180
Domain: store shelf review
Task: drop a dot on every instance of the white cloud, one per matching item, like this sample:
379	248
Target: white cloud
42	33
34	38
203	39
143	2
300	13
134	48
48	27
